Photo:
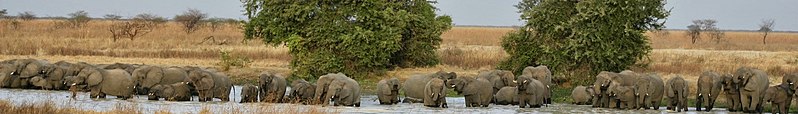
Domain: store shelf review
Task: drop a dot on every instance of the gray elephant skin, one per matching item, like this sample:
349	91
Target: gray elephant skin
344	91
753	83
600	87
732	92
148	76
499	78
414	85
676	91
506	96
649	91
388	91
582	95
302	91
478	92
542	74
102	82
435	93
530	92
624	96
249	94
272	87
179	91
709	87
210	85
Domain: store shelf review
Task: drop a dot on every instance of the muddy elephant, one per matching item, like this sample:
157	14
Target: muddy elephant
102	82
499	79
52	79
753	83
414	86
780	98
530	92
272	87
709	87
435	93
478	92
210	85
600	86
146	77
542	74
388	91
582	95
732	92
624	96
506	96
342	90
649	91
179	91
301	91
676	91
249	94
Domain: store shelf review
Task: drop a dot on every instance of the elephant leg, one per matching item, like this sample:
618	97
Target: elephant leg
754	102
95	93
745	102
522	102
699	101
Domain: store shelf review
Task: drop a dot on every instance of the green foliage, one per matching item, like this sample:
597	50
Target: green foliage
354	37
229	60
578	39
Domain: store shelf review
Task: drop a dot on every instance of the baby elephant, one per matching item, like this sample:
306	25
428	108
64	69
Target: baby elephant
173	92
582	95
506	96
780	96
249	94
388	91
435	93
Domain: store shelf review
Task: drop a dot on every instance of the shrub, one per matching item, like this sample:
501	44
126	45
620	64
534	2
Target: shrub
229	60
191	20
27	16
151	20
78	19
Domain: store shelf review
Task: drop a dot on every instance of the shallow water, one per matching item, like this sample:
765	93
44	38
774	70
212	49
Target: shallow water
368	105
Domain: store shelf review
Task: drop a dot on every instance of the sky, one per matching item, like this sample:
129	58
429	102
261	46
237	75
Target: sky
730	14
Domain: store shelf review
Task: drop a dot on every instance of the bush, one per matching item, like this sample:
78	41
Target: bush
151	20
229	60
27	16
578	39
78	19
356	38
191	20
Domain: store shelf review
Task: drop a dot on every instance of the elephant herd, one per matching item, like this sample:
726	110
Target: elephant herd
745	89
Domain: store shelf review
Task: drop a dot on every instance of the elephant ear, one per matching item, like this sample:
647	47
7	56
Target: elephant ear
386	89
205	83
94	77
153	75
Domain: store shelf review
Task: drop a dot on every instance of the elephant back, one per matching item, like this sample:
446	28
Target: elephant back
540	73
117	82
222	85
507	94
414	86
33	68
173	75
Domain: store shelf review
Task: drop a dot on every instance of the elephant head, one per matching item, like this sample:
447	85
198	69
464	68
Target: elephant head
435	93
337	91
160	91
89	76
33	68
790	81
507	77
300	89
445	75
393	83
7	72
201	80
146	77
41	82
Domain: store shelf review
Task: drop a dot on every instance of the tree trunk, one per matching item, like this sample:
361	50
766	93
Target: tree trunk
764	37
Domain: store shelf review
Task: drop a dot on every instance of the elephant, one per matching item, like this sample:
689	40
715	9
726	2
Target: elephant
249	94
7	75
388	91
414	86
272	87
790	79
27	69
210	85
625	96
302	91
780	96
53	78
676	91
753	83
506	96
435	93
499	79
542	74
582	95
478	92
102	82
344	91
709	86
322	86
179	91
732	92
146	77
530	92
649	91
127	67
600	86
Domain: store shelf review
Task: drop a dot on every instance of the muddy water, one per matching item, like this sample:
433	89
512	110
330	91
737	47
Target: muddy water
368	105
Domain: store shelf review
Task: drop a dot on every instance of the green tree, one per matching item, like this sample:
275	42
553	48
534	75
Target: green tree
578	39
354	37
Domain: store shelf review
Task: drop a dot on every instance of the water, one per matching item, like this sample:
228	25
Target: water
368	105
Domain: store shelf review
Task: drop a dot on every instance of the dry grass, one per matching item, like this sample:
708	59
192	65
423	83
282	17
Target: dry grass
7	107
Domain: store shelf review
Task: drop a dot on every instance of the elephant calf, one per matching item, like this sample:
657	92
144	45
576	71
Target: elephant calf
478	92
676	92
781	98
388	91
732	92
435	93
507	96
171	92
582	95
249	94
301	91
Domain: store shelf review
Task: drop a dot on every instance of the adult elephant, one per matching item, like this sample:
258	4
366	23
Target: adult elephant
272	87
52	79
649	91
414	86
435	93
732	92
506	96
624	96
530	92
171	92
102	82
388	91
7	75
124	66
676	91
478	92
249	94
146	77
582	95
27	69
709	86
600	87
542	74
498	79
302	91
753	83
344	91
210	85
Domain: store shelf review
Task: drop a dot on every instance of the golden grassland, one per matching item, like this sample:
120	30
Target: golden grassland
465	50
7	107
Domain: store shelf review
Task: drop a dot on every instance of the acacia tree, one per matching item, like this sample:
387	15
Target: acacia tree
577	39
707	26
356	38
27	16
765	28
191	20
78	19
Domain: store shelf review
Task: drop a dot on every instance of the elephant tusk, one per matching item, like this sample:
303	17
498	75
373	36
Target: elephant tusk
524	81
790	83
699	94
151	94
73	84
710	95
646	94
636	94
515	81
453	86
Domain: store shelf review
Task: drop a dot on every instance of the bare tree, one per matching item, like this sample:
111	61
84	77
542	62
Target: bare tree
191	20
112	17
705	26
26	16
79	18
694	31
129	29
765	28
152	20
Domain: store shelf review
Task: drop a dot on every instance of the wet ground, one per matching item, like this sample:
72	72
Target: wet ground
368	105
